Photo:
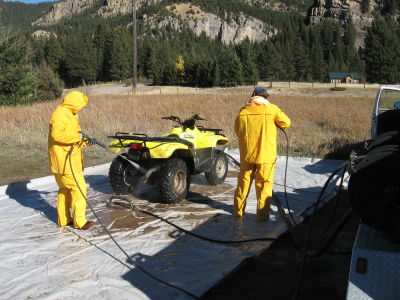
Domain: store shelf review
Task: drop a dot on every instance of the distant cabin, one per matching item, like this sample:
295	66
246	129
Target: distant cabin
344	77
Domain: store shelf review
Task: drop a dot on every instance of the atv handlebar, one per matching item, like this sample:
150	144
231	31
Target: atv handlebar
173	118
179	121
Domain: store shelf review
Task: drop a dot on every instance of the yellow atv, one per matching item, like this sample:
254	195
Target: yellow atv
169	160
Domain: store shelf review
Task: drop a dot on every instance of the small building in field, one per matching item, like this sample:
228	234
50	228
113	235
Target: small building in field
337	77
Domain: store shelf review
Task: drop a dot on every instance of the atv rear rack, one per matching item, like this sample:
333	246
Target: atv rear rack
216	131
145	138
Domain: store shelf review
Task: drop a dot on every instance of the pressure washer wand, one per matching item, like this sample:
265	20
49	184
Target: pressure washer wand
135	165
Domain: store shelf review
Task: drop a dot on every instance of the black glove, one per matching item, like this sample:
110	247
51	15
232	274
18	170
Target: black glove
92	141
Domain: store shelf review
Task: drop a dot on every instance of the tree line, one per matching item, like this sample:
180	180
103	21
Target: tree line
37	68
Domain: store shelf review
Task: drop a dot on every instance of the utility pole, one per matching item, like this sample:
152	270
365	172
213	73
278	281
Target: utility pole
134	73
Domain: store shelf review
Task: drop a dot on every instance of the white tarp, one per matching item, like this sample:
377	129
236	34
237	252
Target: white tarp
41	260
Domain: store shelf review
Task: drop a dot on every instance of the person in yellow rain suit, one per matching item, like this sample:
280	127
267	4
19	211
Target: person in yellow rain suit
63	133
255	127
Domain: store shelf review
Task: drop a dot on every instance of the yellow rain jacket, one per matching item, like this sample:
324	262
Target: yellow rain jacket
63	133
255	127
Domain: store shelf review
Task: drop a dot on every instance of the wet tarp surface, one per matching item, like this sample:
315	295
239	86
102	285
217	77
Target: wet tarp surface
41	260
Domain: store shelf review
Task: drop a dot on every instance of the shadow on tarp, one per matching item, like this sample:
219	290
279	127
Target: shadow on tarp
32	198
198	265
317	167
99	183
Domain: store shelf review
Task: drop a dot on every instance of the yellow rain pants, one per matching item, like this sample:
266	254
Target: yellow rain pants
264	180
70	198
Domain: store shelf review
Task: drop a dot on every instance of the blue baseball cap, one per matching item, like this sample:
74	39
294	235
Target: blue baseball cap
260	91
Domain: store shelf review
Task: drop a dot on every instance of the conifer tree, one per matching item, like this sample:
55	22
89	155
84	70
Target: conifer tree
39	45
54	53
101	34
331	63
236	71
270	63
301	60
318	70
118	60
79	62
338	48
366	6
250	74
48	84
327	34
382	51
17	83
288	62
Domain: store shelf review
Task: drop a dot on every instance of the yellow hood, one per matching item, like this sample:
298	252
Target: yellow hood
257	101
74	101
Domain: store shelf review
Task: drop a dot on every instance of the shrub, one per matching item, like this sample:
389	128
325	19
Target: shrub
49	86
337	89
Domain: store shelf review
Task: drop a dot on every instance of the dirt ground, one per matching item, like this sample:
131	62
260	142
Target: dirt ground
274	274
274	88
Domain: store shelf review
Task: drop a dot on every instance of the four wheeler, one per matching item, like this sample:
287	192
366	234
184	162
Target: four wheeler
169	160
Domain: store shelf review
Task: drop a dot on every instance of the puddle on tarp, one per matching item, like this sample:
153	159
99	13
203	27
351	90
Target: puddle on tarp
198	205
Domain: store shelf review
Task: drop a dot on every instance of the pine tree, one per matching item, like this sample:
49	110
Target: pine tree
54	53
79	62
382	51
250	73
288	62
338	48
366	6
101	34
302	60
327	35
331	63
270	63
118	60
236	71
17	83
318	70
48	84
391	7
39	45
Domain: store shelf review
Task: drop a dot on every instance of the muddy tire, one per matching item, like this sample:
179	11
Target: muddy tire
219	169
173	181
123	177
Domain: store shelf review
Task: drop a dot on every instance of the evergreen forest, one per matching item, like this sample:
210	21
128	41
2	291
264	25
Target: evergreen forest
87	49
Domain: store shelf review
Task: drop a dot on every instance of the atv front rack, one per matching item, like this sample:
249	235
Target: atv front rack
123	136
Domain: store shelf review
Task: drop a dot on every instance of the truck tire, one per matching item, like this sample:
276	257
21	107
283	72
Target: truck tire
219	169
173	181
123	177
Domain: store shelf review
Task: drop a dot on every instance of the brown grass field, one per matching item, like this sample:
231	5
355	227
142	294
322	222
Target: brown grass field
324	123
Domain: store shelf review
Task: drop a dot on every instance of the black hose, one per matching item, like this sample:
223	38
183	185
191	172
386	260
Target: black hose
334	234
336	205
305	253
123	251
286	168
310	226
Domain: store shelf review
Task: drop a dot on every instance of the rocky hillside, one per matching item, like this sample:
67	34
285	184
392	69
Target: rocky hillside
63	9
190	15
339	10
238	27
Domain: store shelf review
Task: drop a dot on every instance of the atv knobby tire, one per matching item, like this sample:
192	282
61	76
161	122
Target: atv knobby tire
173	181
219	169
123	177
